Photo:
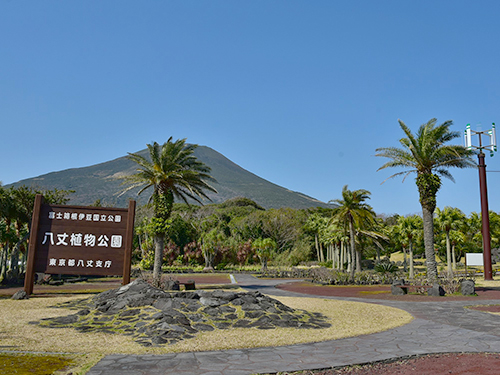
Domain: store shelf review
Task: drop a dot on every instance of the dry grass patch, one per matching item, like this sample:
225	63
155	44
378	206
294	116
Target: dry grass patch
495	283
343	315
17	334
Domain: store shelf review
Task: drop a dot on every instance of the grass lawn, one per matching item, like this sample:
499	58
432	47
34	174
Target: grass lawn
495	283
85	349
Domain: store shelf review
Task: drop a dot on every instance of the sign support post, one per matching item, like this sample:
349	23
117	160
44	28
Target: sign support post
127	261
30	267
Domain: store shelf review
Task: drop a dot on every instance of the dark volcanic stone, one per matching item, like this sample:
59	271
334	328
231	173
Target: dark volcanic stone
131	312
203	327
163	304
158	316
196	317
154	317
436	290
242	323
225	296
227	309
250	306
249	299
159	340
264	320
212	302
212	311
182	320
468	287
144	301
172	285
253	314
20	294
192	307
70	319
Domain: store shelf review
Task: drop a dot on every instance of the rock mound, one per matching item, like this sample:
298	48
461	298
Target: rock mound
155	317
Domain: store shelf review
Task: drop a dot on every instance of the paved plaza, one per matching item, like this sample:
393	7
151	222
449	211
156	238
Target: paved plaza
438	327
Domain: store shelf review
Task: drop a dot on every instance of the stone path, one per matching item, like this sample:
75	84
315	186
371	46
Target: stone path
438	327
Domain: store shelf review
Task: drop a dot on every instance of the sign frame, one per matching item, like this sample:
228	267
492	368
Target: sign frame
42	244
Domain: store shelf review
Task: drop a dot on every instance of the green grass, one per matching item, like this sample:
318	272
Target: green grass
33	364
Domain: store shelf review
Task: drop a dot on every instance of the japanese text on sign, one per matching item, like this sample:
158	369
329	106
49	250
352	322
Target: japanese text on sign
62	262
52	215
77	239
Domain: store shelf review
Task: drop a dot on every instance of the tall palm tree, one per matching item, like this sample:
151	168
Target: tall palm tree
446	220
315	224
427	154
353	211
471	228
173	172
409	228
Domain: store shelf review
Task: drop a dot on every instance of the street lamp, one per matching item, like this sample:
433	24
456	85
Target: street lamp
492	147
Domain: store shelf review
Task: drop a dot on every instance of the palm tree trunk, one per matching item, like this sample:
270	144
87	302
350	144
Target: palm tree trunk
448	254
430	256
317	246
358	260
453	257
14	263
353	248
342	255
159	246
405	263
348	258
412	269
264	264
3	263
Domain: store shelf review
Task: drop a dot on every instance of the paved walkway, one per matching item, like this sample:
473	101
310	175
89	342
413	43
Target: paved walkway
438	327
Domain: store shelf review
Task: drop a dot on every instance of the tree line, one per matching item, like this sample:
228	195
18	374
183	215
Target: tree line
239	232
16	211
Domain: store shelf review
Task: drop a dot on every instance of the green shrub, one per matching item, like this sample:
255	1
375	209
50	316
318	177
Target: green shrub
147	262
327	264
385	267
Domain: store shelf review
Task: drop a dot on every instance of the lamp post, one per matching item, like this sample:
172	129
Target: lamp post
492	147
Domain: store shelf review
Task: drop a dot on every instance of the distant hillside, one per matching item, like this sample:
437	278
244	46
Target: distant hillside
100	181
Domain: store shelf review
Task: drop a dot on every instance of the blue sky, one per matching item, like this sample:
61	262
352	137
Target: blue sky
300	93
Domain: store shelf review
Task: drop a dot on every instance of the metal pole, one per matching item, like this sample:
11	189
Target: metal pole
488	275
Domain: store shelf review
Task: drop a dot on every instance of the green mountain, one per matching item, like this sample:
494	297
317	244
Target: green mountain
100	181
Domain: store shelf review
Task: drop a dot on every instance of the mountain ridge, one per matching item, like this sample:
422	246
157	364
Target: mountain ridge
100	181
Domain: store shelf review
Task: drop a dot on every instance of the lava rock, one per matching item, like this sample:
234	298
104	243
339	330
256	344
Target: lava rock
155	317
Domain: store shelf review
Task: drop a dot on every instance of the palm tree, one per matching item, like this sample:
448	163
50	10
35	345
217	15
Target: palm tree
315	224
173	172
446	220
427	154
211	245
409	228
353	211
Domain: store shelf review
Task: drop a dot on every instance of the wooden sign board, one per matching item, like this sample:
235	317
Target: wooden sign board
77	240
